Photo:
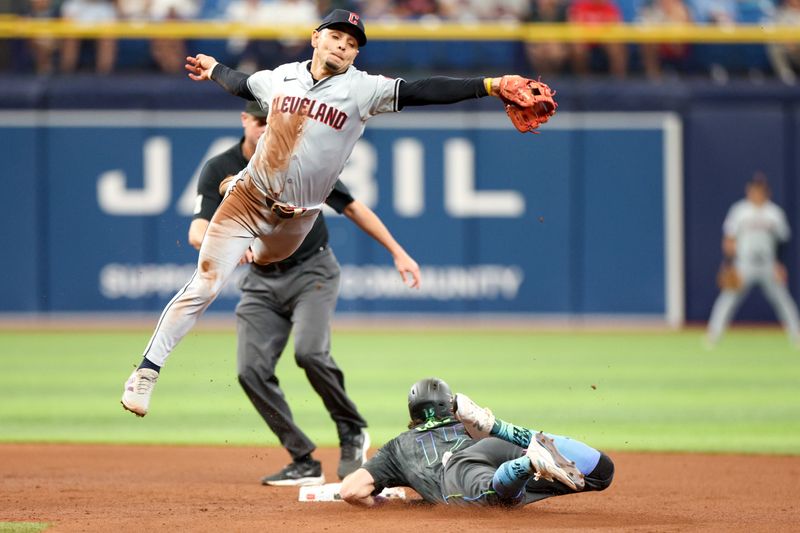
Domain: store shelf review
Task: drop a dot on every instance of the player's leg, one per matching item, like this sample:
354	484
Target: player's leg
784	306
724	308
495	472
315	288
262	333
283	238
225	241
555	457
469	474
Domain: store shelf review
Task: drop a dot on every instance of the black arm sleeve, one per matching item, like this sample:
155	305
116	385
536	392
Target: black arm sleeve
233	81
439	90
340	197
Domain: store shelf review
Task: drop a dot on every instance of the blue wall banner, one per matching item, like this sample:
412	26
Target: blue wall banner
583	220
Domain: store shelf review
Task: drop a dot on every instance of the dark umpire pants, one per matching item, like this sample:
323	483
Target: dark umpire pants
303	298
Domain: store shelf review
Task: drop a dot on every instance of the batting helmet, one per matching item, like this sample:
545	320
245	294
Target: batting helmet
430	398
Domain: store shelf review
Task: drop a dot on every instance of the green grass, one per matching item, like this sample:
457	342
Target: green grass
22	527
617	391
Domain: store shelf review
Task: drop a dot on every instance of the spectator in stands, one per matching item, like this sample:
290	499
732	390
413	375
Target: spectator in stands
295	13
785	57
486	10
663	12
417	9
547	58
169	54
326	6
251	54
259	53
722	13
89	12
597	12
378	10
43	48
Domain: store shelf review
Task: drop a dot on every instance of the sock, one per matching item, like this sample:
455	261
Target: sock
304	458
510	433
147	363
509	480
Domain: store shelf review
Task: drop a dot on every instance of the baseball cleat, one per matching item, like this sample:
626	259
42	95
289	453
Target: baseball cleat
353	453
478	421
138	389
297	474
548	463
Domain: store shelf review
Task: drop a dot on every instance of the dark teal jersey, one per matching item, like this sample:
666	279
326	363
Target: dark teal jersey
414	458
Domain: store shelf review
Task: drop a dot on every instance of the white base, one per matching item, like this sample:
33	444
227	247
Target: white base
330	493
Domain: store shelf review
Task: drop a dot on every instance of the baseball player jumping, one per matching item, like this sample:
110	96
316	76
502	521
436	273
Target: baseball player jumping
317	111
456	452
297	294
754	229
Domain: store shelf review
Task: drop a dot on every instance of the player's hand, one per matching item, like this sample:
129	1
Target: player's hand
247	257
409	270
200	66
224	184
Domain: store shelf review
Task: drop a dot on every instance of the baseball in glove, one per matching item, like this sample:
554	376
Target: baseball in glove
728	278
528	103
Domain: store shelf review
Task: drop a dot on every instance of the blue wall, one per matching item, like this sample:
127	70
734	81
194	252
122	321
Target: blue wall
590	239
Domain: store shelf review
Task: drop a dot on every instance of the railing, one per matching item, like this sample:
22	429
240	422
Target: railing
17	27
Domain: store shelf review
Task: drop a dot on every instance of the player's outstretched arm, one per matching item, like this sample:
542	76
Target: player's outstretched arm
202	67
366	219
528	103
440	90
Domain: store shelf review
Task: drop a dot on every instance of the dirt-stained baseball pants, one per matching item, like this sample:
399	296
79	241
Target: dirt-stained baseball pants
242	220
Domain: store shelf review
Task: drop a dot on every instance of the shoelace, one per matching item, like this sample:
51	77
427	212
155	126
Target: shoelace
542	472
144	384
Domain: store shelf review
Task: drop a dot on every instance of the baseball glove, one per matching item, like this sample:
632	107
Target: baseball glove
528	103
728	278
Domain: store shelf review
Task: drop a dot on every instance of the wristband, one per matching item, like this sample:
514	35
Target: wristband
487	84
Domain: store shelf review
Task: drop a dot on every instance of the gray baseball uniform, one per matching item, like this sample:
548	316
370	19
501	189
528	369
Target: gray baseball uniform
758	230
272	204
312	129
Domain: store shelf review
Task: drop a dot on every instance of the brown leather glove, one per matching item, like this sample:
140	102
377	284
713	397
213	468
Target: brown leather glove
728	277
528	103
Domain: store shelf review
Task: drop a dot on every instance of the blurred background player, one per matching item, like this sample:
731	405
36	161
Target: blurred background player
458	453
297	293
754	231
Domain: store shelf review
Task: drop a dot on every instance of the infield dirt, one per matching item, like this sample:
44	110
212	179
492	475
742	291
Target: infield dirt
177	488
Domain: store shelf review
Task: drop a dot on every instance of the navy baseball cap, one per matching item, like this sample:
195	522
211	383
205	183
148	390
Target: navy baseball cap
341	19
252	108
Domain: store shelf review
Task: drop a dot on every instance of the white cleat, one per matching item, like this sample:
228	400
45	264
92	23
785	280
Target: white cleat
477	420
548	463
138	389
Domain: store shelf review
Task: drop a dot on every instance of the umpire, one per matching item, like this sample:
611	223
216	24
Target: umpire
299	292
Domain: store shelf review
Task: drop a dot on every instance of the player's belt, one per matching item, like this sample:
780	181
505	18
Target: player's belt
283	210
